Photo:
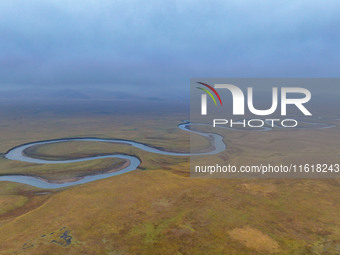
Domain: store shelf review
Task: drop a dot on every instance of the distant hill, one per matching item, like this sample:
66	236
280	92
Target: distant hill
70	94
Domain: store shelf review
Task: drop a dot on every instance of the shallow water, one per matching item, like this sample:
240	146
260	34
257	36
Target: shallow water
16	153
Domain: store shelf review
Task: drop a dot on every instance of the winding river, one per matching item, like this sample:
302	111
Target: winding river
17	153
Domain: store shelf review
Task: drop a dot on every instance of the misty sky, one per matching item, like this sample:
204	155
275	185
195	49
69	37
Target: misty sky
159	45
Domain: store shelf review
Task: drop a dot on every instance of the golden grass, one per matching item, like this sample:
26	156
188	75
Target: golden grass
60	172
158	212
264	189
11	202
254	239
162	210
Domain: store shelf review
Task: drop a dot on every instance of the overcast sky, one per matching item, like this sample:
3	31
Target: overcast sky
159	45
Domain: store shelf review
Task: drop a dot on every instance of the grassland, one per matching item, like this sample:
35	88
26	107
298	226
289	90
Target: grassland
158	212
158	209
61	172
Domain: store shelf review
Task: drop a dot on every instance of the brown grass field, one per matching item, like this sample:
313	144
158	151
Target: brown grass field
158	208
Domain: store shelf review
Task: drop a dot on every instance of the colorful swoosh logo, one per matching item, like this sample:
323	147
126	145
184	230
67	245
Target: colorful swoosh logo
209	93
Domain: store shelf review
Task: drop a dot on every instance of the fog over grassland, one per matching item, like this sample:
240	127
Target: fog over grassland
153	48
